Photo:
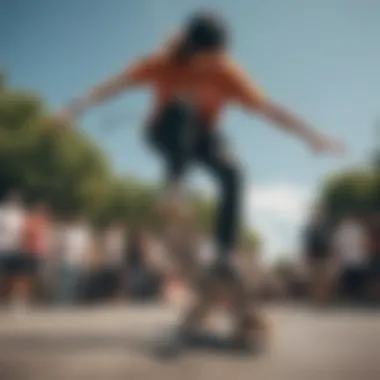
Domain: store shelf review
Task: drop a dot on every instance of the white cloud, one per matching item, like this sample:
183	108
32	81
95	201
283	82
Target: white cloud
285	201
278	212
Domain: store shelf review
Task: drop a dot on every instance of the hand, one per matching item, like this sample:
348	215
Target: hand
322	144
65	117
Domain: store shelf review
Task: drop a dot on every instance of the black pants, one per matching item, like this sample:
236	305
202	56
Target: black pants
183	139
353	279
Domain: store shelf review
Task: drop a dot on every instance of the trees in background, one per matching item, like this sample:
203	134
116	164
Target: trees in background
65	168
351	192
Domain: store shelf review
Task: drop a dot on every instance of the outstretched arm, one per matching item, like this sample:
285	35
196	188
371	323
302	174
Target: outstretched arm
291	123
245	92
139	73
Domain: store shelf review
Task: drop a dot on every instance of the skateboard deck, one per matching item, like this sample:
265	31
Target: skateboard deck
210	342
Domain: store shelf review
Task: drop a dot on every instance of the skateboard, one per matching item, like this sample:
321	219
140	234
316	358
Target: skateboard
174	347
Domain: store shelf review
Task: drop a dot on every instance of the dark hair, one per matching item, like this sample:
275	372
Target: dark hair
204	31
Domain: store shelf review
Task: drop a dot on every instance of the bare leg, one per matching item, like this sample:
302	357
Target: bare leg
246	315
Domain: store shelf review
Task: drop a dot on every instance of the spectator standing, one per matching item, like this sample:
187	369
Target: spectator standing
138	273
76	238
12	219
318	254
114	245
350	248
35	245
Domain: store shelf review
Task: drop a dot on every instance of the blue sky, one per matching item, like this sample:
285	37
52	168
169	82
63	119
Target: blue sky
318	57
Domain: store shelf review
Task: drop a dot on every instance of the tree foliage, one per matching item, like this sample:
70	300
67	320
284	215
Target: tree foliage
351	192
69	171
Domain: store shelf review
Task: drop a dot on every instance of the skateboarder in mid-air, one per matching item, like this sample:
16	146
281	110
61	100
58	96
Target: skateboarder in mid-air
193	79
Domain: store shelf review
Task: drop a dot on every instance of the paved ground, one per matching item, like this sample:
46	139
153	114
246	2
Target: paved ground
115	343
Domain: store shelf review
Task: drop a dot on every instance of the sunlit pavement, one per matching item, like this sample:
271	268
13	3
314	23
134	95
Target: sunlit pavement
113	343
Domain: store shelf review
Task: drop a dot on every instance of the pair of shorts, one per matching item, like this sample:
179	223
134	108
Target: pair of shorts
11	264
30	265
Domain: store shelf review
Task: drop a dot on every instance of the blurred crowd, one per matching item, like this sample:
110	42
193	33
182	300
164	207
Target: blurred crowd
67	261
45	260
343	261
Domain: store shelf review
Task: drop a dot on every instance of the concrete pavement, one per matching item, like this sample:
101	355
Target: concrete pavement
115	343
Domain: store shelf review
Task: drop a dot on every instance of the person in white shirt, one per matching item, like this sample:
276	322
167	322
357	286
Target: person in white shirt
12	218
350	248
114	246
76	238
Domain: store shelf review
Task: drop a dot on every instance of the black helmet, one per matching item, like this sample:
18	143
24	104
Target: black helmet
205	31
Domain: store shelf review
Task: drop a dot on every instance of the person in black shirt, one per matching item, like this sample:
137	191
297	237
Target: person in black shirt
317	239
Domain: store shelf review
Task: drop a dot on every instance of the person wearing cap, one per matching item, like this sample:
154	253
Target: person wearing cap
193	79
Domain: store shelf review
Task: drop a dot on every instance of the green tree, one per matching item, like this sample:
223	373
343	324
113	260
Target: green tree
348	192
65	168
